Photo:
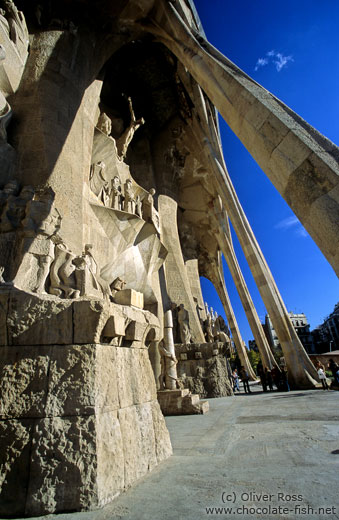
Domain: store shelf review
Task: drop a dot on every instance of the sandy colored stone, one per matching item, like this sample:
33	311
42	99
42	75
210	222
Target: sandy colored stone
163	445
131	389
136	423
15	434
63	453
71	381
130	297
34	320
23	381
90	318
110	457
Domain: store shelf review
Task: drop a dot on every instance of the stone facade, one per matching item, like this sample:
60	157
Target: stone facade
114	199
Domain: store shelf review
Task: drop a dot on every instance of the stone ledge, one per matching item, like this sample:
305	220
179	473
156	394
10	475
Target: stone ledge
31	319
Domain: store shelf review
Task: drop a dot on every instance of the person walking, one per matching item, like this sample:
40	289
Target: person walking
275	373
269	378
235	378
284	380
335	371
322	377
245	379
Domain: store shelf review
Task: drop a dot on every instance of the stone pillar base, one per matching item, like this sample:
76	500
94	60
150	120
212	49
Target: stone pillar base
181	402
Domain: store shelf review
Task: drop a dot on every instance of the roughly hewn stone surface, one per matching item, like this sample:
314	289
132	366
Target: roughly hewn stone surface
181	402
207	374
91	425
63	465
35	321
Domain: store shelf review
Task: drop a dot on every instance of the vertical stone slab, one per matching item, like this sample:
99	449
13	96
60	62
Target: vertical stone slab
177	283
58	99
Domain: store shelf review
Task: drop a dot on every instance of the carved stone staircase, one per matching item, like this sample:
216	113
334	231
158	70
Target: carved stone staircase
181	402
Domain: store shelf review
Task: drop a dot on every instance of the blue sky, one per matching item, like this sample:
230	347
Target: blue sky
292	49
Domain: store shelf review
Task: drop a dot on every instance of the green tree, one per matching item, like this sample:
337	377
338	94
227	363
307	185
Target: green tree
254	358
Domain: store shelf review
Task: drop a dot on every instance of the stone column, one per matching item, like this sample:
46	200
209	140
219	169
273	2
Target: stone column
302	373
170	360
300	162
215	274
224	239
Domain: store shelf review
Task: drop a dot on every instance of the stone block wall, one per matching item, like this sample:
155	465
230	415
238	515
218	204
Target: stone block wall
204	369
79	423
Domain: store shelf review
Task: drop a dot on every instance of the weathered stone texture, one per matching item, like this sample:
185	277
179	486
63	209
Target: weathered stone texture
63	465
35	321
204	369
93	425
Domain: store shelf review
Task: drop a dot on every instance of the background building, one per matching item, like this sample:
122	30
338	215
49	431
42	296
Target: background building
326	335
301	326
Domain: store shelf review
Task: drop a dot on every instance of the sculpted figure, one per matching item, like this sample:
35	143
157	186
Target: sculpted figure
184	328
9	190
149	212
15	19
95	271
209	328
41	216
115	195
138	210
176	331
117	285
129	201
15	210
17	28
62	269
98	182
104	124
167	360
127	136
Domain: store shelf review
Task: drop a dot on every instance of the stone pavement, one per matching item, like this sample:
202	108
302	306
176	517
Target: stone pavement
263	451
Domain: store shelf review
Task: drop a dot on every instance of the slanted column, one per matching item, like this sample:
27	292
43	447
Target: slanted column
299	161
216	276
223	236
302	373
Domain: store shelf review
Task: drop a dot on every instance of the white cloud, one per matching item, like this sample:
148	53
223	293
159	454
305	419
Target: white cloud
261	63
280	61
275	58
294	224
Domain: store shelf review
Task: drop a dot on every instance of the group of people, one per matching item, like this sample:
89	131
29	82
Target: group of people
243	374
279	378
333	367
268	378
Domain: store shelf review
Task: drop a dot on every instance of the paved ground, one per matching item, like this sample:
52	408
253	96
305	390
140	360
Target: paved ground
256	454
